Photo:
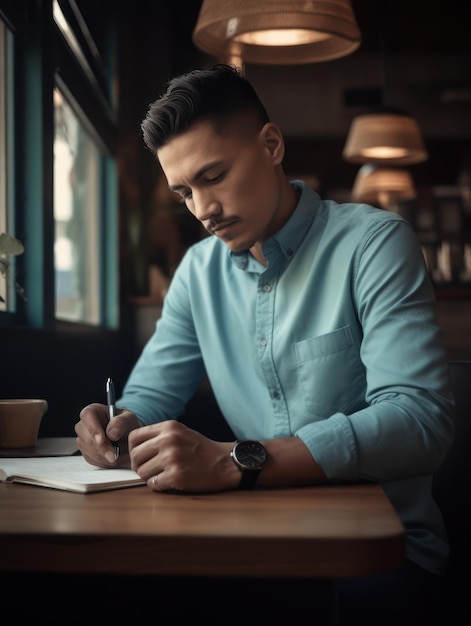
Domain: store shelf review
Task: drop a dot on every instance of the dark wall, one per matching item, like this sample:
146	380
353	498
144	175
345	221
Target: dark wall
68	369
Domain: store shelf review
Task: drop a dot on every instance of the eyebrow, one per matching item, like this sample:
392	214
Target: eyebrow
199	174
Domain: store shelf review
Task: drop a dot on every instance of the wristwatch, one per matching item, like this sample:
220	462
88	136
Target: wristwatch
249	456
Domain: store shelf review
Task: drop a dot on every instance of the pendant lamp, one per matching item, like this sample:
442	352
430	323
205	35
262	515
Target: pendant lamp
278	32
387	136
382	186
384	138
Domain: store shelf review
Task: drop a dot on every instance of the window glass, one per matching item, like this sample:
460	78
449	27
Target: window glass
76	217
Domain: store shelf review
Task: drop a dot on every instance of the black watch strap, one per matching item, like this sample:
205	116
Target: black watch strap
248	479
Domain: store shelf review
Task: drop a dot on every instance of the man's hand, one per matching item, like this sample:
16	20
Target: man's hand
171	456
96	435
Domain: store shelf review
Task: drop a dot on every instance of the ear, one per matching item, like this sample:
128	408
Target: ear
273	141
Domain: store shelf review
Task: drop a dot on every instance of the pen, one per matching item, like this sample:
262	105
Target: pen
110	399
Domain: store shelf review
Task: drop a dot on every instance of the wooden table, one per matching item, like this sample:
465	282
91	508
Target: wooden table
314	532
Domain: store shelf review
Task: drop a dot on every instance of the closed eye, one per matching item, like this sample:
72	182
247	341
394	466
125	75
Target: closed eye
186	194
182	193
215	179
202	179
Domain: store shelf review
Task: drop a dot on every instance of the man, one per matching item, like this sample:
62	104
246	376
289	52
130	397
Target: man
314	322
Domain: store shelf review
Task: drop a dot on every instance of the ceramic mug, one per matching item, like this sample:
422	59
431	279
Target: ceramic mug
19	422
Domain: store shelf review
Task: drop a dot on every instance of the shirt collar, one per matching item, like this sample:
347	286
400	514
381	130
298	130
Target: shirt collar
288	239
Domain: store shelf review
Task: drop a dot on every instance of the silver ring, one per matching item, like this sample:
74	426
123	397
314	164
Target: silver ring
155	483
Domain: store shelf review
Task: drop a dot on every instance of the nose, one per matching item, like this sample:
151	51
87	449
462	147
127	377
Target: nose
205	206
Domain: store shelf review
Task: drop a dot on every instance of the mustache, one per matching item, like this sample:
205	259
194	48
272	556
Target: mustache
214	225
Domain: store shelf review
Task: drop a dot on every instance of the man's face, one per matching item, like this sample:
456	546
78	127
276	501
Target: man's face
230	181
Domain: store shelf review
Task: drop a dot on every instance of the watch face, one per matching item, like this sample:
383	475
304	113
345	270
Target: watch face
250	454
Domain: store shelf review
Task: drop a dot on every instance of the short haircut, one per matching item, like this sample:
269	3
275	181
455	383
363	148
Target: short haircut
217	95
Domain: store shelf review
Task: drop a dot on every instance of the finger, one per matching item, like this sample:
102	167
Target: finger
91	438
93	420
154	483
101	455
143	433
87	437
121	425
98	462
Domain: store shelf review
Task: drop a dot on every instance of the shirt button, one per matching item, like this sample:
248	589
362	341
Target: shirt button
276	395
266	288
263	342
289	252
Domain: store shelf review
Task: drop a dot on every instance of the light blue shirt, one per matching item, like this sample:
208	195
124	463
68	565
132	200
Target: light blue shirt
335	341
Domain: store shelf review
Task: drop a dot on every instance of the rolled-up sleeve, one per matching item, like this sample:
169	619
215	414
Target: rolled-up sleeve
406	427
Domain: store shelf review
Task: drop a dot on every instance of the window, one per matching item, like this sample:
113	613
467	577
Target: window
65	205
79	173
76	217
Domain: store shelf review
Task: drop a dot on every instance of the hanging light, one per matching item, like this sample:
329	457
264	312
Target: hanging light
385	138
279	32
382	186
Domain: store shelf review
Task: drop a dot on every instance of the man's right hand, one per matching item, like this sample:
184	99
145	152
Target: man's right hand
96	435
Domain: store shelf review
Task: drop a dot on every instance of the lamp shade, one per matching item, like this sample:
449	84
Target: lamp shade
280	32
385	138
382	186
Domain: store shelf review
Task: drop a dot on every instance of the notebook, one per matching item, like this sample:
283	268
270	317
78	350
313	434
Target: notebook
70	473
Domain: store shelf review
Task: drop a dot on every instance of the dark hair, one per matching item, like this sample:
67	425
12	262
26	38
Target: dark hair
215	94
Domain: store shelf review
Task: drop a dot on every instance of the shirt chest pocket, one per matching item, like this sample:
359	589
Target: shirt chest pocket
330	372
